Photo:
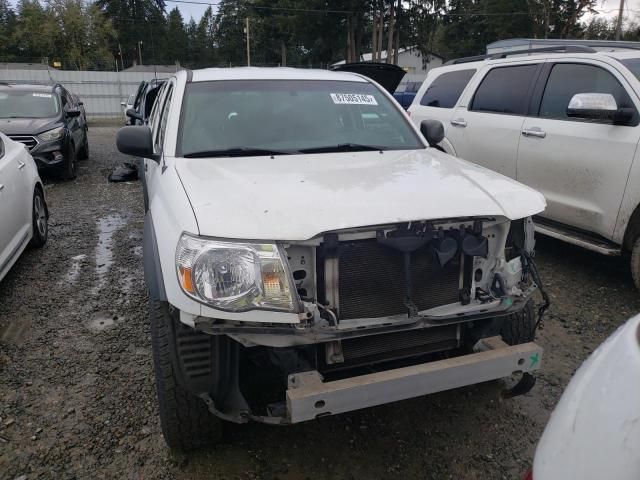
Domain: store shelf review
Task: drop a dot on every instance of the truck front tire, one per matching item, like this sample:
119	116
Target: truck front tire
635	263
186	421
520	327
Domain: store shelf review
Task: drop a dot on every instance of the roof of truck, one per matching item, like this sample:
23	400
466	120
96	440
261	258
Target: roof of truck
274	73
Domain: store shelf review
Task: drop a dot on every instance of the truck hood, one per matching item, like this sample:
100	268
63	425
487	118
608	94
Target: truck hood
296	197
27	126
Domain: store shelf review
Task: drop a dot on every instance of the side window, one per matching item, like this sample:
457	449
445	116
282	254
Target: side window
70	102
63	98
164	115
153	118
504	90
446	89
567	79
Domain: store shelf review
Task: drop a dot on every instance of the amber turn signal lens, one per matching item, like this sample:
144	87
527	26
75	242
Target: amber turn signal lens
186	279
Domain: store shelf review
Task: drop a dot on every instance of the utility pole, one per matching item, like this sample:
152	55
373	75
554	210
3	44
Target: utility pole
619	23
140	51
246	30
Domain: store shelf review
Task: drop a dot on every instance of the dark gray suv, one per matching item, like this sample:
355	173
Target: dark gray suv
49	121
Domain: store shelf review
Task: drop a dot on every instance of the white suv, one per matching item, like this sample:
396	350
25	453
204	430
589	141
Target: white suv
307	253
566	124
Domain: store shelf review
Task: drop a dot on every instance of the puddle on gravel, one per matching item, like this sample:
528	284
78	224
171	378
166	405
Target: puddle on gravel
74	269
100	322
107	226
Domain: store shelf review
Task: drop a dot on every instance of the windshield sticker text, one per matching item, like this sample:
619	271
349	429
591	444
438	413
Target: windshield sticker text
353	99
43	95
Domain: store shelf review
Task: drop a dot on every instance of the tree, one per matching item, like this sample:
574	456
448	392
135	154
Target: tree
229	35
176	36
135	21
7	28
34	31
205	40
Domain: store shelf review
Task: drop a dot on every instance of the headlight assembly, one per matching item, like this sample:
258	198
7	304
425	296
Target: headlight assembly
233	276
53	134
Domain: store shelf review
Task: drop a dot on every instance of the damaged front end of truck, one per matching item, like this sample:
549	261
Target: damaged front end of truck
374	315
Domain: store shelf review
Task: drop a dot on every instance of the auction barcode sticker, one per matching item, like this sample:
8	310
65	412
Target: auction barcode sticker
353	99
43	95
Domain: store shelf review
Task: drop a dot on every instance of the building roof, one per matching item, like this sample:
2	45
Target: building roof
366	57
154	68
272	73
24	66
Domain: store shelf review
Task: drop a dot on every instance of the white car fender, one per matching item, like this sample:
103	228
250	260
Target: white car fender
594	432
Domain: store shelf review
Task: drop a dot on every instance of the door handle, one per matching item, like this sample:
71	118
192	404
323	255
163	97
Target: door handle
534	132
459	122
1	187
21	165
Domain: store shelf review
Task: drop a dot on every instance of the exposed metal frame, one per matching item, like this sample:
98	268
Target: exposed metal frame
309	397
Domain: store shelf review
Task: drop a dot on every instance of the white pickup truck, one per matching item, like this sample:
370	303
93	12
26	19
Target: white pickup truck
563	120
307	253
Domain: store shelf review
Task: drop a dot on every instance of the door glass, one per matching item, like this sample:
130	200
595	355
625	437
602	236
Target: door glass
445	90
567	79
163	120
504	90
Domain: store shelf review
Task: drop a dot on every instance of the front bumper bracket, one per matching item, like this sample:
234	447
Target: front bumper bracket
309	396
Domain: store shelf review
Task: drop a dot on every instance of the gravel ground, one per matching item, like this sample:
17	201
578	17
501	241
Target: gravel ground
77	395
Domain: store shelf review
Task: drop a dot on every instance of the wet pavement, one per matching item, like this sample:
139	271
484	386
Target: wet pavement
77	395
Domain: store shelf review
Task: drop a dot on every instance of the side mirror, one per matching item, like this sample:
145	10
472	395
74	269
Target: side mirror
73	112
433	131
81	103
136	141
598	106
123	104
131	113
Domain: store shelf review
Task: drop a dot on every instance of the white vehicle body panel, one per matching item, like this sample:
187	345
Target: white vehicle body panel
18	177
580	167
594	432
587	171
296	197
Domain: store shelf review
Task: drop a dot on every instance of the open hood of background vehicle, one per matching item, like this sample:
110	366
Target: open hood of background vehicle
296	197
387	75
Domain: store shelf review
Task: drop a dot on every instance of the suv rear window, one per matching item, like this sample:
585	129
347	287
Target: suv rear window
504	90
445	90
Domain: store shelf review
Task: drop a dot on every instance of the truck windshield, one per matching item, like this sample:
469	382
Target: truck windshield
24	104
260	117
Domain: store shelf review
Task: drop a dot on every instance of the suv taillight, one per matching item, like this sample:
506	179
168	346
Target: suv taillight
528	475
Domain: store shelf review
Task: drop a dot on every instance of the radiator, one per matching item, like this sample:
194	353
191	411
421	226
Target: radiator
371	280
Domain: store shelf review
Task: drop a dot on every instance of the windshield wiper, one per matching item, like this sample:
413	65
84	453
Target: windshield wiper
237	152
342	147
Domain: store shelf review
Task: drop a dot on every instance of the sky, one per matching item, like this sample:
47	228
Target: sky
609	9
196	11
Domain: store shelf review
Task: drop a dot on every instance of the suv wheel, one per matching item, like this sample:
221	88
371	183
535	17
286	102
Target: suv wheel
39	219
520	327
69	169
635	263
186	421
84	150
